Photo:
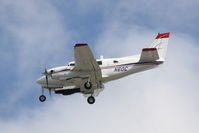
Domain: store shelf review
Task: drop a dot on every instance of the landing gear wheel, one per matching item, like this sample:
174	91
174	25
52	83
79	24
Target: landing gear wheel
91	100
42	98
88	85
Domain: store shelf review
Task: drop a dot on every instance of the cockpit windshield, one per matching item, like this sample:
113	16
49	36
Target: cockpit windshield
71	64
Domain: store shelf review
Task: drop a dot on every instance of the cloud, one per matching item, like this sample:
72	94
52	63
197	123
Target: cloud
38	34
165	15
160	100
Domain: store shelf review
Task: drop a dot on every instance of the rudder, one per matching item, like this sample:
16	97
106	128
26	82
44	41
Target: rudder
161	43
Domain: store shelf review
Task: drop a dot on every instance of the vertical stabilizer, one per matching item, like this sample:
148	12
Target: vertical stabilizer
161	43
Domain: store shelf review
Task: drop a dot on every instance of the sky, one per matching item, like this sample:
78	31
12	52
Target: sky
39	34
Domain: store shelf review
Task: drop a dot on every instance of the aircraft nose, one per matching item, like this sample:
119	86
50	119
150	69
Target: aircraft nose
41	80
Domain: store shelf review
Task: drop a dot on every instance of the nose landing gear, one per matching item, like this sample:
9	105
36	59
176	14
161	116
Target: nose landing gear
42	98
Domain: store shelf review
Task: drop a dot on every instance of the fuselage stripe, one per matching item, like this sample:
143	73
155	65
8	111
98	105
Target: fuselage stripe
133	64
122	65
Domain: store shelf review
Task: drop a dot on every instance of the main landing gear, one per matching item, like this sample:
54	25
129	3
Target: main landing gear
88	85
91	100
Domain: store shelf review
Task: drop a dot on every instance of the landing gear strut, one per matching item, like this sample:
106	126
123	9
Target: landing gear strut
91	100
42	98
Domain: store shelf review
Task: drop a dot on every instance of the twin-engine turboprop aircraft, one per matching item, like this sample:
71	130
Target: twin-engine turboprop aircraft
87	75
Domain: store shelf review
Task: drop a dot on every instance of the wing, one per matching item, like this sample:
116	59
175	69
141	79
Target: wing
149	54
85	62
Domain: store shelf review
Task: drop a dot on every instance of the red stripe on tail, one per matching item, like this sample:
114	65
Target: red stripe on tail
162	35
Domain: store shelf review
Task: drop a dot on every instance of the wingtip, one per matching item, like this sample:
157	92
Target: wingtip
163	35
80	44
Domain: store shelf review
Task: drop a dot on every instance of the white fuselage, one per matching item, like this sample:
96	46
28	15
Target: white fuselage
87	75
111	69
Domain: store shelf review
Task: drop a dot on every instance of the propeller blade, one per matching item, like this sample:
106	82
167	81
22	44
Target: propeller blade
46	74
46	71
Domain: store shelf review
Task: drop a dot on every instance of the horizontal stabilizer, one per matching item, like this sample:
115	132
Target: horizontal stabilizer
149	54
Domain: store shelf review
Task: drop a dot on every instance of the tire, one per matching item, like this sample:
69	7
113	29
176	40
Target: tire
91	100
42	98
88	85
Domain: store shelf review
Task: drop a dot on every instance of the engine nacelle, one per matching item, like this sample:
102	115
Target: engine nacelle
67	91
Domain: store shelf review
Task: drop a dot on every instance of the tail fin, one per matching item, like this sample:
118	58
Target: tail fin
161	43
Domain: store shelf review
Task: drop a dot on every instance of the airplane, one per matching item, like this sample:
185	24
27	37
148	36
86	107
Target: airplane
88	75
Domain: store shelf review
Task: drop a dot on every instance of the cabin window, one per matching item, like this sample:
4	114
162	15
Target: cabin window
115	61
99	62
72	64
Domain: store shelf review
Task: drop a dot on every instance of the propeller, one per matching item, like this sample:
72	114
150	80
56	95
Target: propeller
46	75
